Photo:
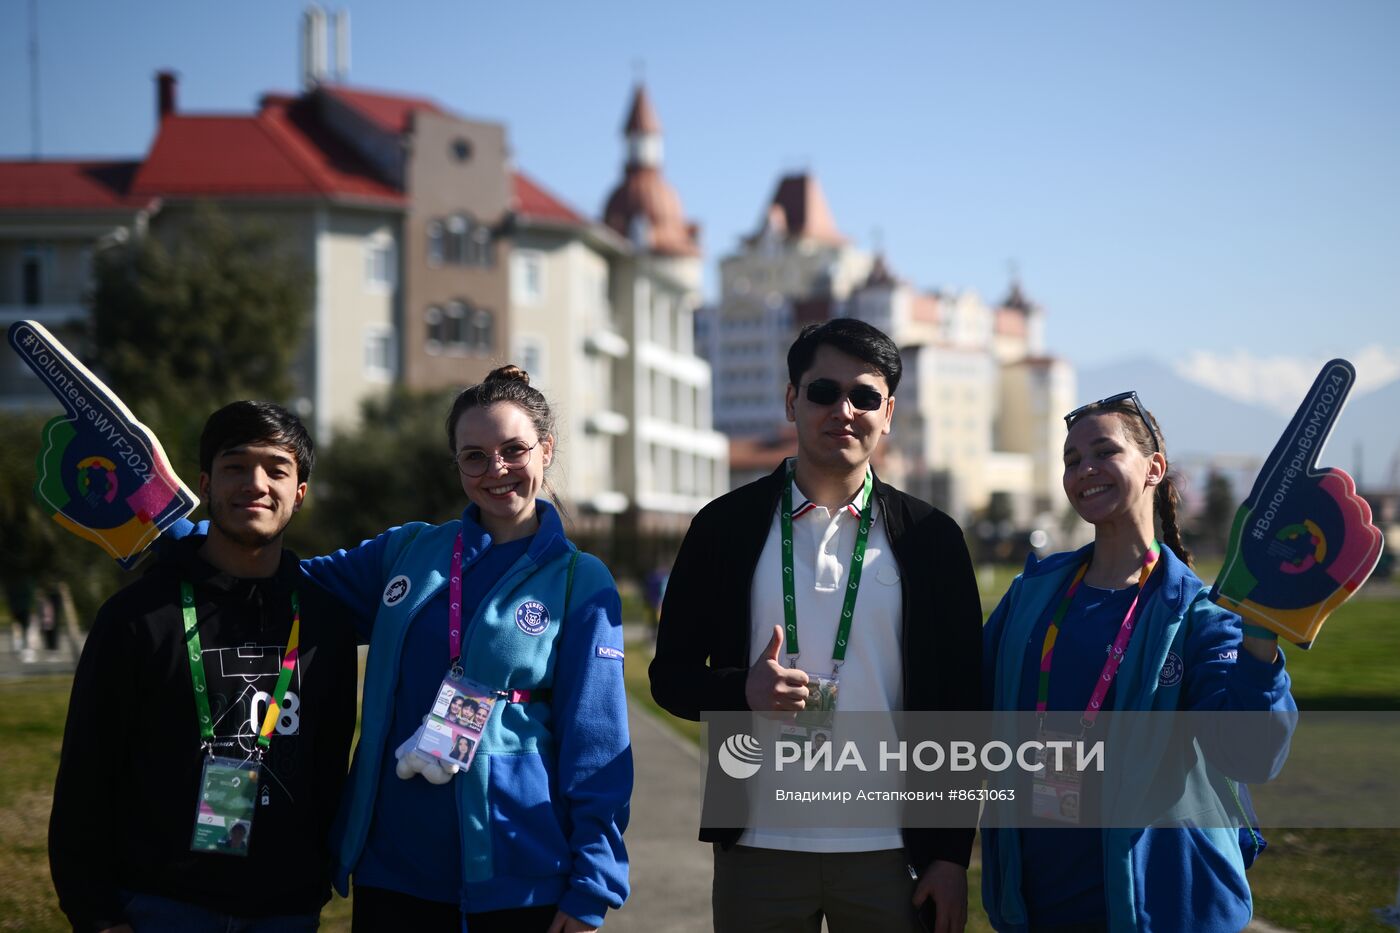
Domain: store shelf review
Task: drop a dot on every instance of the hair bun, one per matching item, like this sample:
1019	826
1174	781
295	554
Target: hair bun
508	373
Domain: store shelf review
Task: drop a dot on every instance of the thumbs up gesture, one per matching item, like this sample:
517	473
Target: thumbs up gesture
770	686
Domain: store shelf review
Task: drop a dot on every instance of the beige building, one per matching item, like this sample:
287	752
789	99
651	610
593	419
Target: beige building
456	188
54	215
792	269
979	406
282	168
602	315
279	167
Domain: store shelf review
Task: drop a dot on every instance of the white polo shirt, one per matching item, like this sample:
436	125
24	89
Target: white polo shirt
872	675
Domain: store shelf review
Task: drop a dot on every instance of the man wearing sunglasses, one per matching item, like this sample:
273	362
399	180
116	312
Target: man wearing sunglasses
911	640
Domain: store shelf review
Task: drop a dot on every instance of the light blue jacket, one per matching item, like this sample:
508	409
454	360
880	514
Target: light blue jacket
545	801
1154	879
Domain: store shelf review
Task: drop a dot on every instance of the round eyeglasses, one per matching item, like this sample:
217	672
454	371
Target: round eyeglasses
474	461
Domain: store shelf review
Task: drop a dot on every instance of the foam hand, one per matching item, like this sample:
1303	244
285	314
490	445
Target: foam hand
101	473
1303	541
412	761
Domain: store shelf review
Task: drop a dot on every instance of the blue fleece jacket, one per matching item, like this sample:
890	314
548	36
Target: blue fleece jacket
544	804
1184	655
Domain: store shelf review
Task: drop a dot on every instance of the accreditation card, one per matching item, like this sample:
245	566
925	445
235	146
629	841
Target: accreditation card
223	819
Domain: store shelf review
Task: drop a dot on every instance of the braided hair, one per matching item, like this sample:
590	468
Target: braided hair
1168	496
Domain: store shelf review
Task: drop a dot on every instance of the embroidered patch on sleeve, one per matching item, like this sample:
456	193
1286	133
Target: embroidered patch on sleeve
605	652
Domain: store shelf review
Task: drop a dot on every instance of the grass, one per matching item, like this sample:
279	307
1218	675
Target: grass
32	714
1309	880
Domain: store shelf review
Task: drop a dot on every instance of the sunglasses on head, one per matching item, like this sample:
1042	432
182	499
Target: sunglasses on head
827	392
1129	397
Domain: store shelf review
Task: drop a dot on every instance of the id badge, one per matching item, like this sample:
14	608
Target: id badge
223	819
1055	794
818	713
453	727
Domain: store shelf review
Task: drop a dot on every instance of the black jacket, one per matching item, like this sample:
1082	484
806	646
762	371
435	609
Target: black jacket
703	650
128	780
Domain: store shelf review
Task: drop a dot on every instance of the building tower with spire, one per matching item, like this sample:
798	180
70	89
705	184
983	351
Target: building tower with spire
795	268
669	459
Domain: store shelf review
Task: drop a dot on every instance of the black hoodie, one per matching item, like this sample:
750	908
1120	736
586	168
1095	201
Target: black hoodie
128	780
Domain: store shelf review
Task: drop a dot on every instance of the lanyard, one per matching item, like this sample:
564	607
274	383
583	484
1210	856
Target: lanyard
201	689
843	630
454	611
1115	655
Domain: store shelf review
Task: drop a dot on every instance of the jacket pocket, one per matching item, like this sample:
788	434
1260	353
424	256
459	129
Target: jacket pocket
527	835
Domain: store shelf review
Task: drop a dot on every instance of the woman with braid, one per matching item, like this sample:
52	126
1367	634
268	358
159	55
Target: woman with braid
1124	624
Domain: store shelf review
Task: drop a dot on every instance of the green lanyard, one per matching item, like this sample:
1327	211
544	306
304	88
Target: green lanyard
848	608
201	688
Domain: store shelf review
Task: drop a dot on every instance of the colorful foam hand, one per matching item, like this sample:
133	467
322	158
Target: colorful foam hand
101	473
1303	541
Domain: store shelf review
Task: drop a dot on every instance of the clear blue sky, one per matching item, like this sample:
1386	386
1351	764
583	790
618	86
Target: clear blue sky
1167	176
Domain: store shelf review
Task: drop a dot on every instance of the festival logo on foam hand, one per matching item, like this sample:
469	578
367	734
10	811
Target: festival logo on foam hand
1303	541
101	473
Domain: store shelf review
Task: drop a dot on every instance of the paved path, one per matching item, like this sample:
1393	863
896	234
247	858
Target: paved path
670	868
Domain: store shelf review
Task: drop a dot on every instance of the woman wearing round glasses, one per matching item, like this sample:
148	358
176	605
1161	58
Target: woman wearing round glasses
1124	625
529	837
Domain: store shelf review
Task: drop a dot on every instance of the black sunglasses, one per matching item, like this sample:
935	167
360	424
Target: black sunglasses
826	392
1120	398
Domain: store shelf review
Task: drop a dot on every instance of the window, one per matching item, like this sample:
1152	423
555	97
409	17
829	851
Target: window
460	241
527	276
461	149
456	240
380	261
32	277
437	244
379	353
529	356
437	332
460	328
478	249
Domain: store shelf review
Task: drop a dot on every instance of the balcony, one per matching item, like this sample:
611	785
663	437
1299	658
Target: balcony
606	343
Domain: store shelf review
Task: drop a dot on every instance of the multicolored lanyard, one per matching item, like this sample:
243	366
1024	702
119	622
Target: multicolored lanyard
1115	654
843	630
201	688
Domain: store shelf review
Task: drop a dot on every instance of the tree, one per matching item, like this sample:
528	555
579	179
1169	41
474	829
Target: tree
394	468
1219	511
35	552
180	330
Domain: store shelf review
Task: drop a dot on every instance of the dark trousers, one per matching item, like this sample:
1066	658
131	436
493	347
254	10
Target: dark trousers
377	910
777	891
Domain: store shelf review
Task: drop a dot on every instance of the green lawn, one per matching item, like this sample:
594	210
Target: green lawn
1308	880
32	712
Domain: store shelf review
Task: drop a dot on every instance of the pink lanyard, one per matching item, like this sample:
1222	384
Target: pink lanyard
454	624
1115	655
454	611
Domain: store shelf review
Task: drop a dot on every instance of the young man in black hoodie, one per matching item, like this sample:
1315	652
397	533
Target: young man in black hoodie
913	640
122	834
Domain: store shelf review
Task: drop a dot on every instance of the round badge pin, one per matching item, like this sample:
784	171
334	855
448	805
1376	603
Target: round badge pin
1172	669
396	590
531	617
